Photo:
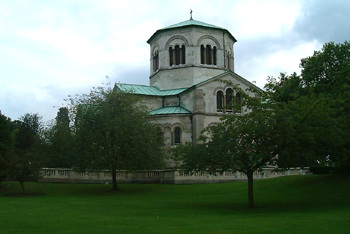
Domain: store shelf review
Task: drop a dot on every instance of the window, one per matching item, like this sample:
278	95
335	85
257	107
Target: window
202	54
177	55
171	56
177	135
183	55
219	101
156	61
214	55
230	102
238	104
229	99
208	55
228	63
159	134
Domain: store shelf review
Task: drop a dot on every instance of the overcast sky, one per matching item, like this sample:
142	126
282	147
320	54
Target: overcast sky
52	49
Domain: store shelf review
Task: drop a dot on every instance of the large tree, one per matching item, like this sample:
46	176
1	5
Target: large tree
305	124
316	108
300	120
5	144
239	143
327	73
25	161
328	70
59	141
112	131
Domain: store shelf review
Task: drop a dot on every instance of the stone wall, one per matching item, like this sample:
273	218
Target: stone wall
170	176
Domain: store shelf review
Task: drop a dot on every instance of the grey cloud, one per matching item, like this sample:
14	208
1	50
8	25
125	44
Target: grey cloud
324	21
131	75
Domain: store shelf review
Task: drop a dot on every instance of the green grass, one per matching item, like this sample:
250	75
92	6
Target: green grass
294	204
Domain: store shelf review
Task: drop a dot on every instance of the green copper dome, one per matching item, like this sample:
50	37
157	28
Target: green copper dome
190	23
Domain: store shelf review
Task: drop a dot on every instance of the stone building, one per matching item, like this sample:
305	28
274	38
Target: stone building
187	62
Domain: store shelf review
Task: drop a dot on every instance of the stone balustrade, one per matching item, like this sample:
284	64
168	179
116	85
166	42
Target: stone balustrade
167	176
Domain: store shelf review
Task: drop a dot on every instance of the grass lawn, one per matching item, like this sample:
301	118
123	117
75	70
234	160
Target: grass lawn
293	204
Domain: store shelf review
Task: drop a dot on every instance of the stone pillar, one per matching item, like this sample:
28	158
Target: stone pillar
197	118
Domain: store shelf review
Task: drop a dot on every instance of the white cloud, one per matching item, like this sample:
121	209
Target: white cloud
265	18
49	49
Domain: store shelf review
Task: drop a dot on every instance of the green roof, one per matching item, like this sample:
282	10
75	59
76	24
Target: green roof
170	110
148	90
188	23
192	22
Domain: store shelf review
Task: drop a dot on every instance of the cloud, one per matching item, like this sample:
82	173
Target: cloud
50	49
324	20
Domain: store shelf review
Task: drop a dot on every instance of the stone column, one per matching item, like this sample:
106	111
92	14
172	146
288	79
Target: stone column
197	118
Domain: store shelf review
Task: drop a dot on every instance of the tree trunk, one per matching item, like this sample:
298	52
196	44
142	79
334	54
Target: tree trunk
114	179
22	185
250	189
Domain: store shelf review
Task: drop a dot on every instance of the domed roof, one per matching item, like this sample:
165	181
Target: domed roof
189	23
192	22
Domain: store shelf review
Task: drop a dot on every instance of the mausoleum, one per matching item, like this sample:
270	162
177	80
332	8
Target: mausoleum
187	61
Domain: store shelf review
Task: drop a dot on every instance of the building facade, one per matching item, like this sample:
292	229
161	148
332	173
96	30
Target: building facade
188	62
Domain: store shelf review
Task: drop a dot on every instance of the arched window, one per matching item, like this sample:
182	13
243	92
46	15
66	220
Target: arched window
219	101
171	56
156	61
202	54
208	55
228	62
214	55
159	134
229	99
238	104
177	135
183	55
177	55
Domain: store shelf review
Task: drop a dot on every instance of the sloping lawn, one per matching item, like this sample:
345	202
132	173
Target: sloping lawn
294	204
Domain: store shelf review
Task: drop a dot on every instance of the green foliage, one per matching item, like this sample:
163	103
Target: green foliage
5	144
304	120
315	107
242	143
112	131
59	141
328	70
25	160
286	205
321	170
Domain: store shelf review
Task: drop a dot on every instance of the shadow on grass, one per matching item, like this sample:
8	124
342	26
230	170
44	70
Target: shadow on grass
286	194
24	194
262	207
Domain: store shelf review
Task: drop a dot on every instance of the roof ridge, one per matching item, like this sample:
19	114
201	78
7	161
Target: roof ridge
170	110
149	90
137	85
191	22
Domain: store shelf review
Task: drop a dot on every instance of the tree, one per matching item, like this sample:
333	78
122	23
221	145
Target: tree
305	124
5	144
327	73
239	143
59	140
112	131
25	161
316	108
328	70
299	121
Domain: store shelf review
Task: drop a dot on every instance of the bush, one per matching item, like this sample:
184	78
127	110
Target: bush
322	170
